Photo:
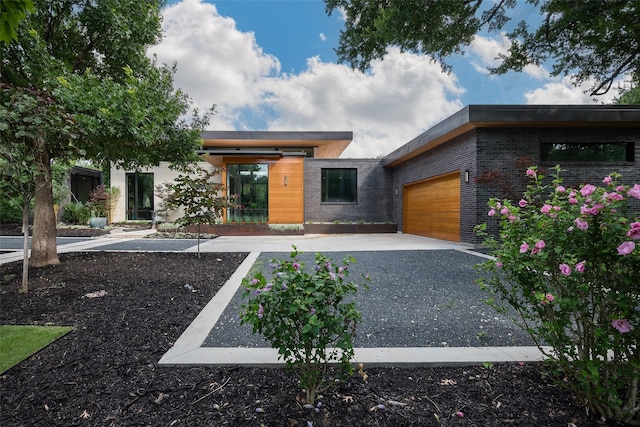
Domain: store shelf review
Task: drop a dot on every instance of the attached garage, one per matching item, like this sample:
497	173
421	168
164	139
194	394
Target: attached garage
431	207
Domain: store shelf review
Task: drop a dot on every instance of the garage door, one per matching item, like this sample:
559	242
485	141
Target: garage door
431	207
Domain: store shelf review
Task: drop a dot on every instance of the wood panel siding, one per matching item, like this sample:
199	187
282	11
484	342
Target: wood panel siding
431	207
286	202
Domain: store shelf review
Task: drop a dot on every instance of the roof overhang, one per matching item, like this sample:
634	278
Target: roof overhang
325	144
488	116
217	157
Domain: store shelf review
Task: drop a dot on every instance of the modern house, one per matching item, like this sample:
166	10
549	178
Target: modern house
436	185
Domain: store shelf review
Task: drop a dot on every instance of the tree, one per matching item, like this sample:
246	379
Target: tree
91	55
27	118
11	13
630	94
202	198
589	40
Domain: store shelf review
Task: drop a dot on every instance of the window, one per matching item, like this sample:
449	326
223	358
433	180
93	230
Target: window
587	152
139	196
339	185
251	183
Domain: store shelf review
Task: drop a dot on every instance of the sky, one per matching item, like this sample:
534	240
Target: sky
271	65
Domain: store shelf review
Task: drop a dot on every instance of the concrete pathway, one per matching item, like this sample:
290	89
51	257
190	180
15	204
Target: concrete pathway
189	350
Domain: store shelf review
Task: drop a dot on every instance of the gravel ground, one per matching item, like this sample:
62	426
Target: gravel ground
415	299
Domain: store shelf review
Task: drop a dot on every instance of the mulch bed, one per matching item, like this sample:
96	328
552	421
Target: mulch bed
105	372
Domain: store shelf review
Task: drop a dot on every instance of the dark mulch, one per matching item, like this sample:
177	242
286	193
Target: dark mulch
105	372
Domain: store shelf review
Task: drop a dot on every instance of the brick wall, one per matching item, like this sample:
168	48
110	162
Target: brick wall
374	192
458	154
508	151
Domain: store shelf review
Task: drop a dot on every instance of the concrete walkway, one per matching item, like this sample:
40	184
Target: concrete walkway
189	349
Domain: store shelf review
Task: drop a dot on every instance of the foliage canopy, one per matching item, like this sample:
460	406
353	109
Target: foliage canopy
593	41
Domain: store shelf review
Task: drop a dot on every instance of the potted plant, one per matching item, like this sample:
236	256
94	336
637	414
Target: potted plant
99	203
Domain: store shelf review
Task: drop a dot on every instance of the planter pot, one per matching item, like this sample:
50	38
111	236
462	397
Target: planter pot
330	228
97	222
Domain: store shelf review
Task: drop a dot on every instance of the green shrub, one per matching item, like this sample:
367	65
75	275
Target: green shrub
76	213
304	316
568	264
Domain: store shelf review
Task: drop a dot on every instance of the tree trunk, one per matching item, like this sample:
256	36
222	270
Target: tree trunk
43	244
25	245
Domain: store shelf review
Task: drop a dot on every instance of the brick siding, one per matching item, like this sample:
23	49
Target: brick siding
374	195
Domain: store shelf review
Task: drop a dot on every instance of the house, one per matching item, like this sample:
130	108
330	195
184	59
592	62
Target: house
436	185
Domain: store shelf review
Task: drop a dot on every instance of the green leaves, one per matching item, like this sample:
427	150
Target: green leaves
576	292
589	40
303	314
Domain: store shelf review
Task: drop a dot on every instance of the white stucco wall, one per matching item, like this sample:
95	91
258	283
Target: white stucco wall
161	174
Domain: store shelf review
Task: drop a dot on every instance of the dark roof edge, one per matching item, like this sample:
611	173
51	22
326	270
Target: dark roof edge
282	135
474	116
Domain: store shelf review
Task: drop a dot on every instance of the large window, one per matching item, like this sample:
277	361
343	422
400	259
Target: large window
251	183
139	196
587	152
340	185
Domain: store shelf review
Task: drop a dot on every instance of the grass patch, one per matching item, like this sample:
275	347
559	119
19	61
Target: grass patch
19	342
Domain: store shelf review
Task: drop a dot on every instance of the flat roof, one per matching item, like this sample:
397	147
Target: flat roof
326	144
485	116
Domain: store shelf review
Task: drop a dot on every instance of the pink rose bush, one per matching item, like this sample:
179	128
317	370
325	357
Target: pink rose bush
569	270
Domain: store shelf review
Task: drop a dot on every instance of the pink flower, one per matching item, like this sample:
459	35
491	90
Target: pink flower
620	188
587	190
581	224
622	325
573	200
522	203
626	248
549	297
460	414
565	269
635	191
492	212
545	209
616	196
296	265
607	180
531	173
524	247
505	211
499	264
512	218
560	189
634	232
573	193
580	266
498	205
538	247
260	311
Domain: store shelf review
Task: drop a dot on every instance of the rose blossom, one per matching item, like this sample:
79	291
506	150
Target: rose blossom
635	191
565	269
560	189
634	232
580	266
587	190
522	203
626	248
581	224
607	180
622	325
524	247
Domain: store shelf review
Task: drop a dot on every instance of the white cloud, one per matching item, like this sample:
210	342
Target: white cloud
323	37
217	63
391	104
386	107
487	51
563	91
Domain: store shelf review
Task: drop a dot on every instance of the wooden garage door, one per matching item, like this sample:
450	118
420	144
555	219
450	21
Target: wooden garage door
431	207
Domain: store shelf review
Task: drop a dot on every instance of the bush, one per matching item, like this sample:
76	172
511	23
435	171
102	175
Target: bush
76	213
304	316
567	263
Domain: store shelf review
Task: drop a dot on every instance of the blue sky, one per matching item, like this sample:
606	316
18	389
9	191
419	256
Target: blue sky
271	65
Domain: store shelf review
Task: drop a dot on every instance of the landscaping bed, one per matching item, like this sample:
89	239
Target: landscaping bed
129	308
